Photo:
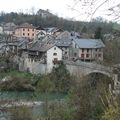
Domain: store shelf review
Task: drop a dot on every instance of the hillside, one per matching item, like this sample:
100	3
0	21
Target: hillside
46	19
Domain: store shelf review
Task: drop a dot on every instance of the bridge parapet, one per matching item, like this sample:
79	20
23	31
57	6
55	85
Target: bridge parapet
85	68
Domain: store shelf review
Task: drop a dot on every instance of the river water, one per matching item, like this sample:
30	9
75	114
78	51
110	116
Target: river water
26	97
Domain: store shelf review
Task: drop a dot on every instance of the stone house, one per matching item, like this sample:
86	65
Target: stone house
63	35
26	30
9	28
40	33
48	54
65	46
87	49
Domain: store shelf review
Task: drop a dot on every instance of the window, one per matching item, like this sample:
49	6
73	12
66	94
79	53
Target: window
65	53
87	50
87	55
99	55
28	29
28	34
54	48
96	49
33	34
75	54
32	29
82	55
54	54
23	29
99	50
23	34
55	61
82	50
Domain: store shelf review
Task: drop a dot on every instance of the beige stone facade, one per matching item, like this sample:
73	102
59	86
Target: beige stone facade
26	30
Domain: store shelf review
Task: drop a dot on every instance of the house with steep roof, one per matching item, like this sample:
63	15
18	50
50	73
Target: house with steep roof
39	52
9	28
26	30
53	31
88	49
40	33
65	46
63	35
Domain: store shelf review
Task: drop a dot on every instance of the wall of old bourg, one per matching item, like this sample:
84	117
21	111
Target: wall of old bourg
78	69
32	66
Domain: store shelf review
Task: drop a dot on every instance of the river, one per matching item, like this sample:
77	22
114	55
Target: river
31	99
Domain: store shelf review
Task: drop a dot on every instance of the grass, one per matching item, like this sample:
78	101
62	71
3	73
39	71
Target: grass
15	73
116	26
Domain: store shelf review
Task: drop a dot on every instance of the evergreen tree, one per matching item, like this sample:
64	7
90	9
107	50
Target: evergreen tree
98	33
84	29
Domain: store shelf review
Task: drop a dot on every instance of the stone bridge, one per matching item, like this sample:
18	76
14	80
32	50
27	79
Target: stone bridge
80	69
84	68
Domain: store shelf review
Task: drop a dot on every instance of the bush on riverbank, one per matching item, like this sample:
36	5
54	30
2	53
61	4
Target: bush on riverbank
59	80
21	113
16	84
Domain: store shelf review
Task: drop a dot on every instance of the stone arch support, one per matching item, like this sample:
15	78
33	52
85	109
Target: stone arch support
101	72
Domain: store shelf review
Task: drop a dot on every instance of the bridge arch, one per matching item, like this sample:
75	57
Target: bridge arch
99	72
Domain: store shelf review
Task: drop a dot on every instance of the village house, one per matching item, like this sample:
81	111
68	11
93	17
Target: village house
53	31
1	30
44	13
4	48
63	35
26	30
9	28
40	33
13	47
88	49
41	53
65	46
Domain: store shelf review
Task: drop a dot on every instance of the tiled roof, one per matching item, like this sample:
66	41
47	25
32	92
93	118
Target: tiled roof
39	46
26	25
63	42
89	43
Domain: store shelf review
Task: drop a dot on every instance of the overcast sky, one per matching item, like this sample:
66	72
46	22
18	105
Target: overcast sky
59	7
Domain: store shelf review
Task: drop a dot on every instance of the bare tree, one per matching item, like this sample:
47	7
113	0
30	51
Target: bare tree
110	8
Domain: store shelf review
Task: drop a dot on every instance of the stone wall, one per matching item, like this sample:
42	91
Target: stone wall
32	66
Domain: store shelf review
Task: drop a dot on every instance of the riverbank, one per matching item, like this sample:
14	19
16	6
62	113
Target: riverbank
8	104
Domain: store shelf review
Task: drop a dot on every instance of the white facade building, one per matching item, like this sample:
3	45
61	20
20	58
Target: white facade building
54	55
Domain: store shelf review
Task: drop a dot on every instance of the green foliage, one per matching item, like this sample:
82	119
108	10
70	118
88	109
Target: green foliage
85	102
116	26
16	84
59	110
112	51
61	78
21	113
15	73
45	84
84	29
98	33
38	20
112	113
